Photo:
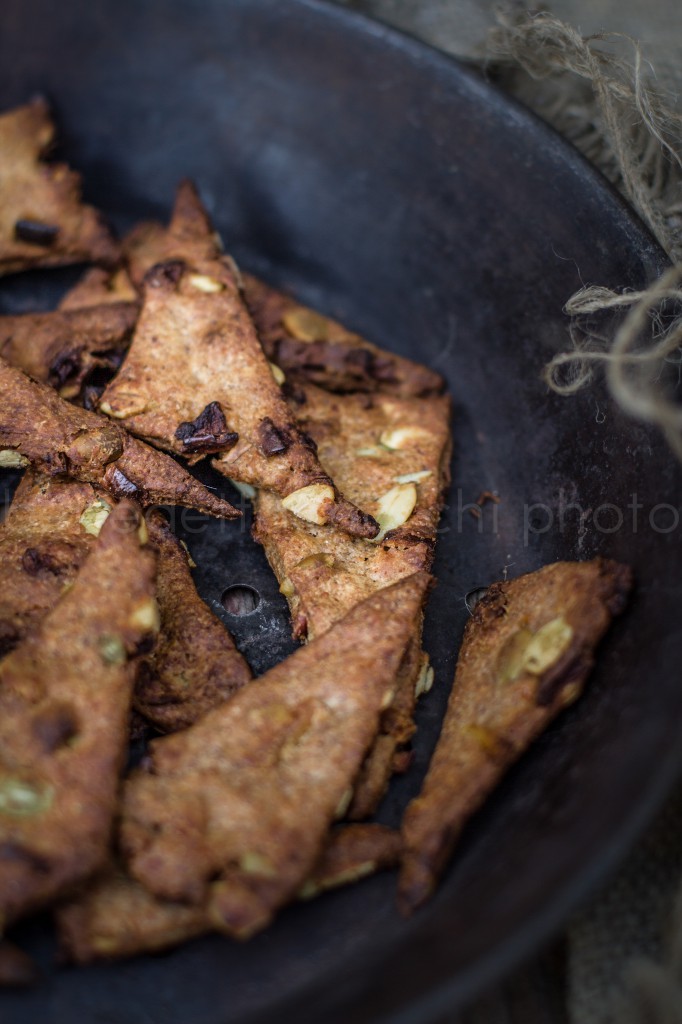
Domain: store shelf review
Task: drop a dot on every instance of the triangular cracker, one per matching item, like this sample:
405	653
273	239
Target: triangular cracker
196	381
233	812
326	353
324	574
38	426
195	665
526	653
44	540
64	706
43	222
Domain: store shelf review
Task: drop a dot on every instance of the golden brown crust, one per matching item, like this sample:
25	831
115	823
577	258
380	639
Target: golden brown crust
196	381
324	352
233	811
61	439
42	546
117	917
526	653
64	710
195	665
65	348
352	852
100	287
43	222
324	574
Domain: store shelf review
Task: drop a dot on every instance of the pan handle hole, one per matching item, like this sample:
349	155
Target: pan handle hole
240	599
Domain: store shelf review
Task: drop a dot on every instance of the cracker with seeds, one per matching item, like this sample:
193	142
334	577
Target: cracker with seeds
65	696
39	427
196	381
526	654
233	812
43	222
66	349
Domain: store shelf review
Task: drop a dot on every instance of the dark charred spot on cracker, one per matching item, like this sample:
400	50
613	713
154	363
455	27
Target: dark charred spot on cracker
9	637
272	440
293	392
568	671
308	442
35	232
15	853
91	396
65	366
208	432
121	485
164	275
52	559
55	726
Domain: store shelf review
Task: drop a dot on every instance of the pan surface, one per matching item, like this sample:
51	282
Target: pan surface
391	188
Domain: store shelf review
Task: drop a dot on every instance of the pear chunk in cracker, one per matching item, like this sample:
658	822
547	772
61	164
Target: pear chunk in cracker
65	696
526	654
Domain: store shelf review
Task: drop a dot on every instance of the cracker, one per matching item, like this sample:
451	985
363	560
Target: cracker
38	426
233	812
526	654
195	665
43	222
65	696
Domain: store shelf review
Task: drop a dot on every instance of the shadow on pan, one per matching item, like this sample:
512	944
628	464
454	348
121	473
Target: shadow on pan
393	189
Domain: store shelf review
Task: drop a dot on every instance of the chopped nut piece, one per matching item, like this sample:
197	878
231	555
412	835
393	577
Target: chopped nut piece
277	373
204	283
343	804
286	587
22	799
394	508
244	489
319	558
547	646
425	677
10	459
305	324
310	502
112	649
146	616
95	516
409	478
403	437
125	404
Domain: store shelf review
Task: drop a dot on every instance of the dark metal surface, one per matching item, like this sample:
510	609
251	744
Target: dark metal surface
393	189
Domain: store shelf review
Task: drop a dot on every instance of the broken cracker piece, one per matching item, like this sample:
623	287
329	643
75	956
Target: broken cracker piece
100	287
195	665
42	546
527	651
353	852
61	439
323	352
232	813
196	381
43	222
65	696
64	349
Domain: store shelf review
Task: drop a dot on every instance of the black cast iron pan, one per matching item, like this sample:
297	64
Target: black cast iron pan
388	186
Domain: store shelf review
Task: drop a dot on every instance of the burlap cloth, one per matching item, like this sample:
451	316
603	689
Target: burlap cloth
622	105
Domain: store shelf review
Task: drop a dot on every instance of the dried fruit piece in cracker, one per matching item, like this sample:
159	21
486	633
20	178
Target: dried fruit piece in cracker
38	426
233	812
377	446
526	653
64	704
64	349
196	381
43	222
118	917
44	540
195	665
325	353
